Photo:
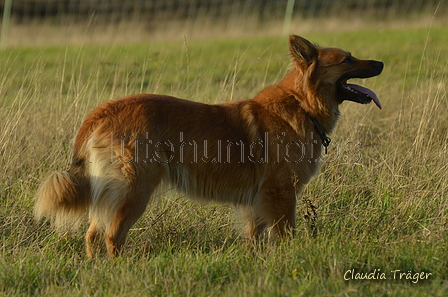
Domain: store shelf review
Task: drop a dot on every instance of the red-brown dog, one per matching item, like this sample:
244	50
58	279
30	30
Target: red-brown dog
256	154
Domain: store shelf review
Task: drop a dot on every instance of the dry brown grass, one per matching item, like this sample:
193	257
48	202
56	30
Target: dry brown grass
203	28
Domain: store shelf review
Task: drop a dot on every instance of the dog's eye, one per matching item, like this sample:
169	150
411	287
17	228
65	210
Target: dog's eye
348	60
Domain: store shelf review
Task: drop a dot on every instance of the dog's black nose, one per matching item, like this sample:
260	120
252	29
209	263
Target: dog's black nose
379	65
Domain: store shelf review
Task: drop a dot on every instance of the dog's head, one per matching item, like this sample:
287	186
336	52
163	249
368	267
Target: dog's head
331	68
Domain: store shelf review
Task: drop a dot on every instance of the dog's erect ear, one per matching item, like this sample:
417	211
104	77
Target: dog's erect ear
302	49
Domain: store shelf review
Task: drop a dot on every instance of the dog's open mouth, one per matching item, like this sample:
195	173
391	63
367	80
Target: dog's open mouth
358	94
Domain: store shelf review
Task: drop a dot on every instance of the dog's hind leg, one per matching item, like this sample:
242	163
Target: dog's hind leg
92	237
132	208
124	219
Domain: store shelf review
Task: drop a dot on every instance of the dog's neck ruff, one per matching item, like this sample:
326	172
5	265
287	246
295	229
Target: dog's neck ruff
325	139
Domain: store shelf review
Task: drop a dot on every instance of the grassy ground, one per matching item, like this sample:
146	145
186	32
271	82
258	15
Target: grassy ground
381	196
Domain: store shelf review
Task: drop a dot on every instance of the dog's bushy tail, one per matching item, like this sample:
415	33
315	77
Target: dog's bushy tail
63	199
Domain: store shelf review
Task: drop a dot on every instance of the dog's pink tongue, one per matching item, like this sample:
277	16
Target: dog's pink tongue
367	92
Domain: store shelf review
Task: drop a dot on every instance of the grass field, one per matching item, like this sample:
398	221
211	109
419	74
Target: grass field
381	196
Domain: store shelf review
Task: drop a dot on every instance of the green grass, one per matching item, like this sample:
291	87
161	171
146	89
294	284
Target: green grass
381	194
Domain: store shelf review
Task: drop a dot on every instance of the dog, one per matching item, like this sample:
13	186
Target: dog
256	154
